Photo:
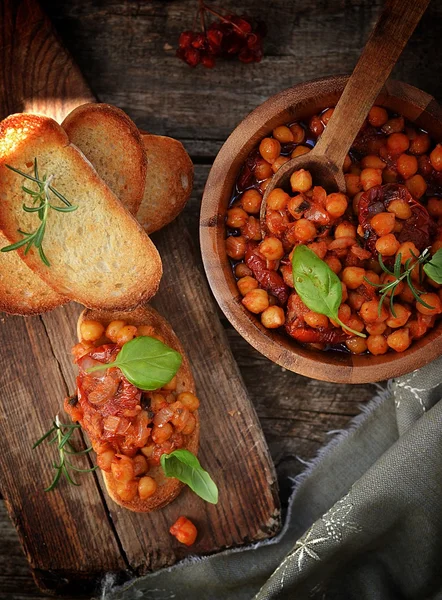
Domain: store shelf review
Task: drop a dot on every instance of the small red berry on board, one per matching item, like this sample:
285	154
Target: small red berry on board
184	531
229	36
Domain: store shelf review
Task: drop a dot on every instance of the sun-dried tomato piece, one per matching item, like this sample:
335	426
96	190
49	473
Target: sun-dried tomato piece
269	280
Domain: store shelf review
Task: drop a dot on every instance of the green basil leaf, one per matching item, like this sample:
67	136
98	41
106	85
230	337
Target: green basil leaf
146	362
434	268
317	285
185	466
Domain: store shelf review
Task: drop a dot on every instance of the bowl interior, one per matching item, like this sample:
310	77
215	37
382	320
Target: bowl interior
300	103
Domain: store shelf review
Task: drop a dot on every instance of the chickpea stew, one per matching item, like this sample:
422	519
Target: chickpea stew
130	429
377	238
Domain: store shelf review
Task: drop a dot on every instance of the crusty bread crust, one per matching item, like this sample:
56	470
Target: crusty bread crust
99	254
22	292
112	143
169	182
169	488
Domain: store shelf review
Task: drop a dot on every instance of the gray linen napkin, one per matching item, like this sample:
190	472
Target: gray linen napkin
364	522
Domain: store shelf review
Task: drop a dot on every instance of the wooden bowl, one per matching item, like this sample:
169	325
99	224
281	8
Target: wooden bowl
298	103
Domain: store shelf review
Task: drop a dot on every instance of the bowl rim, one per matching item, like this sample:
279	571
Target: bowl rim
337	367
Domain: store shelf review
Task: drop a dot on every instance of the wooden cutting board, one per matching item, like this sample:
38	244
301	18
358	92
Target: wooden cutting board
72	536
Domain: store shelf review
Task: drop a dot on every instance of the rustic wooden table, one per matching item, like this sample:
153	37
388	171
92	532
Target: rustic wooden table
125	50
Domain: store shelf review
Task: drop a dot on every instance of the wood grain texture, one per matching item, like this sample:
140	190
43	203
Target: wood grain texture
60	534
120	46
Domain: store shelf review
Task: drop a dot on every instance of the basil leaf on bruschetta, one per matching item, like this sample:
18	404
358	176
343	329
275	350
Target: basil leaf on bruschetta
146	362
185	466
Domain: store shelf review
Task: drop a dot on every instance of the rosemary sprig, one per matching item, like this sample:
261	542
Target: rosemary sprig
399	275
41	203
62	436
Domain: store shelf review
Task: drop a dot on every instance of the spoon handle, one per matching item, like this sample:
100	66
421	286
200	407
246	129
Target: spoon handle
387	40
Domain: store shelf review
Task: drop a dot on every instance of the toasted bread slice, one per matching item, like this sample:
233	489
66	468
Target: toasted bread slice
169	182
112	142
168	488
22	292
98	254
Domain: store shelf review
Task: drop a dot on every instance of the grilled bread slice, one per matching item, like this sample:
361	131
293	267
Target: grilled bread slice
22	292
112	143
168	488
98	254
169	182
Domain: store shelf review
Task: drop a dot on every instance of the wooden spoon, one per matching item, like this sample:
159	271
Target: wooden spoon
325	161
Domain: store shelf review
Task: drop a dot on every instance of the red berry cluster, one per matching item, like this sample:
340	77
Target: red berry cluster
228	37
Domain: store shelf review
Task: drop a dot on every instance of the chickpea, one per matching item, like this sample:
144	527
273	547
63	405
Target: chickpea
316	126
394	125
147	487
184	531
344	291
235	246
370	312
242	270
171	386
327	115
372	276
246	284
316	320
319	248
298	133
420	144
252	229
353	184
347	163
262	170
371	161
81	349
383	223
256	301
161	434
141	465
377	344
277	199
270	149
355	300
148	450
283	134
375	329
189	401
271	248
145	330
236	217
299	151
356	345
400	208
251	202
386	278
355	203
402	316
263	185
370	178
407	250
424	165
104	460
296	206
353	277
334	263
301	181
432	300
377	116
406	165
417	186
278	162
127	490
344	313
387	245
305	230
399	340
436	157
122	468
91	331
398	143
434	207
273	317
190	425
336	204
126	334
345	229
